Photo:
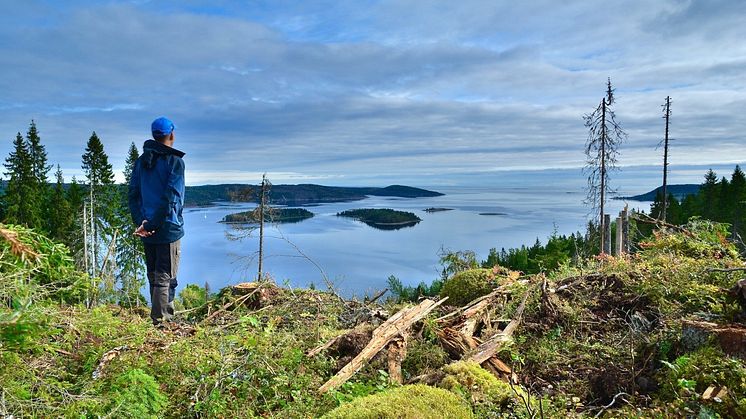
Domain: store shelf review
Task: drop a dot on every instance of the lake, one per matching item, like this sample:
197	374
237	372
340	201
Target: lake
358	258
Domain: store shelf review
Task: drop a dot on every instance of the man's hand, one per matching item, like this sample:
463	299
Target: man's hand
141	232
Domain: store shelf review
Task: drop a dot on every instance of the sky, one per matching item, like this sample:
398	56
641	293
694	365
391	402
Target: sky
370	93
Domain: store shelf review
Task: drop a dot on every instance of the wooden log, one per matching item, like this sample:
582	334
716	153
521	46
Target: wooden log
495	343
731	338
397	351
393	327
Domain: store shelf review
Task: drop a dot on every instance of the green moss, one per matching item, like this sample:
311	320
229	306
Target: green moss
408	402
469	379
465	286
683	381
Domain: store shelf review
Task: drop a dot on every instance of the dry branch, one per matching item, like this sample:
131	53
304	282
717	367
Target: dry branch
495	343
393	327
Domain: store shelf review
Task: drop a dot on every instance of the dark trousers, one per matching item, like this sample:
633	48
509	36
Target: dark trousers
162	261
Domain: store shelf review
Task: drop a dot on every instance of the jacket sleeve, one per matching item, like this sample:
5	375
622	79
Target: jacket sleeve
133	195
175	173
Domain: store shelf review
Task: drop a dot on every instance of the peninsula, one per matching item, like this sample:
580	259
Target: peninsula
296	195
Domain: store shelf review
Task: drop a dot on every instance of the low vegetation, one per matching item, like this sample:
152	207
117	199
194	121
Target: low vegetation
604	336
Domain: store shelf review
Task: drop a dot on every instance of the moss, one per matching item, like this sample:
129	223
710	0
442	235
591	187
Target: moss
477	384
408	402
465	286
683	381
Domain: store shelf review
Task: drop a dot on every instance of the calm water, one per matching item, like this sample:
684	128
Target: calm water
357	258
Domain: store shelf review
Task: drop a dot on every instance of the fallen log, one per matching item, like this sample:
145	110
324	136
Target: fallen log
731	338
395	326
397	351
496	342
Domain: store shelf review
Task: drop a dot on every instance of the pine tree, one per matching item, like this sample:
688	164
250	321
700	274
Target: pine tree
131	274
59	225
19	194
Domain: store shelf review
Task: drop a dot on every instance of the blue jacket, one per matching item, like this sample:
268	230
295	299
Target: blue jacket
156	192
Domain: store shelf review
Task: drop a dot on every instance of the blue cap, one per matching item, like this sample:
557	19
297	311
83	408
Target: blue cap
161	127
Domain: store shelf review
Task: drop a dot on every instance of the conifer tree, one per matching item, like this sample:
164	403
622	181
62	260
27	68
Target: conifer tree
100	208
601	149
708	196
20	204
131	274
39	193
60	224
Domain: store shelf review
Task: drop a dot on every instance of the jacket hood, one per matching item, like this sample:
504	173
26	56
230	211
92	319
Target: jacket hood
152	149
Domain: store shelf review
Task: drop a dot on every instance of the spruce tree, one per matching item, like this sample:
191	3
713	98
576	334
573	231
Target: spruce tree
100	210
39	171
708	196
60	224
21	207
737	197
601	150
131	273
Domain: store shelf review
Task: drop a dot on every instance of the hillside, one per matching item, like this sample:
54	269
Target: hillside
655	334
304	194
678	191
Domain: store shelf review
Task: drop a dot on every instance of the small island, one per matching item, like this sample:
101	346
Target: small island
382	218
276	215
437	209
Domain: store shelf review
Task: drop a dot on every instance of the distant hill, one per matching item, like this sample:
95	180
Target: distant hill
678	191
291	195
294	195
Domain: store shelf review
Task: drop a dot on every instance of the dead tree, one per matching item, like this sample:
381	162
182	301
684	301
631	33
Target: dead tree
601	150
666	116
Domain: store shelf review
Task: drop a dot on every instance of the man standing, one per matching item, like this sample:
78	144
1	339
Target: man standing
156	200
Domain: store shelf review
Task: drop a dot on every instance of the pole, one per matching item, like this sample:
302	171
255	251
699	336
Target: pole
607	233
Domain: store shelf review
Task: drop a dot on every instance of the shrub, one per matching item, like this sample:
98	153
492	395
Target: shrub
465	286
192	296
137	395
408	402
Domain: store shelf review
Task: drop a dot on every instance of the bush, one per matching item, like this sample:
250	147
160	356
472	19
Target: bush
192	296
137	395
408	402
465	286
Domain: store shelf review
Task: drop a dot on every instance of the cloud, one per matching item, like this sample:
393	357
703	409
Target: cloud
373	91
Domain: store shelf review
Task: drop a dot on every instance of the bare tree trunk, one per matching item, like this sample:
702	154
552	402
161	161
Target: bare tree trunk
603	175
665	159
262	202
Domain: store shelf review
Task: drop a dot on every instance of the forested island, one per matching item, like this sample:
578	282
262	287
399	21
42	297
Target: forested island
277	215
294	195
382	218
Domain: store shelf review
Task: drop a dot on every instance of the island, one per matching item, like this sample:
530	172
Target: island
382	218
437	209
296	195
275	215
